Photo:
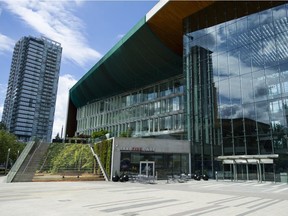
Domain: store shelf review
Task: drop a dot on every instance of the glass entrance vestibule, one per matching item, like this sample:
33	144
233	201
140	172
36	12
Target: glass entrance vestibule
247	167
154	164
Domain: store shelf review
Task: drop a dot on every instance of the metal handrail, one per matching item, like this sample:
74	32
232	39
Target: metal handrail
16	166
99	162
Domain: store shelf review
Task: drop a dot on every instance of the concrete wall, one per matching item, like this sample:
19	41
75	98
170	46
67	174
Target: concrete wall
145	145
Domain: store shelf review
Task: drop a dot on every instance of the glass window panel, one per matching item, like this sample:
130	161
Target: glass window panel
168	124
279	12
164	89
249	111
235	90
261	90
270	53
155	124
162	124
224	99
253	21
123	102
176	103
284	86
252	145
231	27
179	86
221	42
281	45
163	106
256	56
247	88
150	125
222	66
233	63
262	112
146	110
149	94
275	106
278	110
157	107
242	24
145	125
244	57
170	105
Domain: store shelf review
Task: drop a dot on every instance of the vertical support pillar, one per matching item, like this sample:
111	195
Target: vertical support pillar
190	163
223	171
257	168
264	176
231	172
235	174
247	171
274	172
260	171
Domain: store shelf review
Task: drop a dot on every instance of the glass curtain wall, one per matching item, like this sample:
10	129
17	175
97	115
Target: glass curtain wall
150	111
237	87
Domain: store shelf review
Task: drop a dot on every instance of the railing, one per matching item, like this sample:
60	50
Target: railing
15	168
99	163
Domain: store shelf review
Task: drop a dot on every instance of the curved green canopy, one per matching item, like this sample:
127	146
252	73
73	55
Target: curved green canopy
139	59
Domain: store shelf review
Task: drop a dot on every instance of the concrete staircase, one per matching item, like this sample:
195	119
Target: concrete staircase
31	163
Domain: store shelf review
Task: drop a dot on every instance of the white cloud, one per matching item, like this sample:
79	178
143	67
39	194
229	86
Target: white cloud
6	44
65	83
55	20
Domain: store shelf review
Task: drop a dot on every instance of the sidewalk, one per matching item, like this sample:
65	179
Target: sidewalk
2	179
135	199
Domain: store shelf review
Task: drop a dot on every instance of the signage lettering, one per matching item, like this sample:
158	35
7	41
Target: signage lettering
138	149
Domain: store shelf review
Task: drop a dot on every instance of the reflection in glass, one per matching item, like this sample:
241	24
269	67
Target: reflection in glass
249	87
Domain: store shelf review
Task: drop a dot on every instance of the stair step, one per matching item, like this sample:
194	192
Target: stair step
30	164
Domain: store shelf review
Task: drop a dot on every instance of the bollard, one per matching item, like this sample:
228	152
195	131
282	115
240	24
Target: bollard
216	175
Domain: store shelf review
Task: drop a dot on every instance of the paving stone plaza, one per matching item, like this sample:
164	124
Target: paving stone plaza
133	199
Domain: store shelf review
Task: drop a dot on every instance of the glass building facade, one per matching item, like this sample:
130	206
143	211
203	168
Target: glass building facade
154	110
236	76
224	90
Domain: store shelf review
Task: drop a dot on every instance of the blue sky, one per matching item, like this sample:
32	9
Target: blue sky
87	30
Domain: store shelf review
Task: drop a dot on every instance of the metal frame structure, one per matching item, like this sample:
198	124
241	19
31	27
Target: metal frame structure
258	160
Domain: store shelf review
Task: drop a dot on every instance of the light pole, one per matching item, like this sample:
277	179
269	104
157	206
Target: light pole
7	160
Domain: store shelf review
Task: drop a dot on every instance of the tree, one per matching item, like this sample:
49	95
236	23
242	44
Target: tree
57	137
3	126
127	133
9	141
99	134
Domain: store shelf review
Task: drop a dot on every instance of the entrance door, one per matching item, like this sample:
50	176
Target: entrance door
147	168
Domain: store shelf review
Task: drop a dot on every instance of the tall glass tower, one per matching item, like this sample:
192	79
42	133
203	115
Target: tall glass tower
32	87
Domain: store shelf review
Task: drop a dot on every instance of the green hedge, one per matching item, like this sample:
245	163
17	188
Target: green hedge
68	156
104	152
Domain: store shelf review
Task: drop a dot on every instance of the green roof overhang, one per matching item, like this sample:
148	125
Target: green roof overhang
139	59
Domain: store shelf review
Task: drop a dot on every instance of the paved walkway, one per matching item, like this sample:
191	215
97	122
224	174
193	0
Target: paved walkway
133	199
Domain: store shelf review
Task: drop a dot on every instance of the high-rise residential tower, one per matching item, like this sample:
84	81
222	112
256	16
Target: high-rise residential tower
32	87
